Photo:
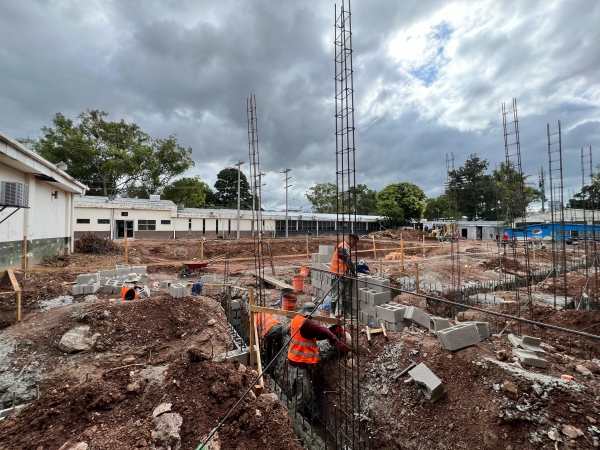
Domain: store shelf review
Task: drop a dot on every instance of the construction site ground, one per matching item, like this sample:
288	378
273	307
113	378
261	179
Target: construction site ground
148	352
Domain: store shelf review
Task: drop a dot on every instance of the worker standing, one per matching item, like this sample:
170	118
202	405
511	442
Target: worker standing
341	267
271	332
303	353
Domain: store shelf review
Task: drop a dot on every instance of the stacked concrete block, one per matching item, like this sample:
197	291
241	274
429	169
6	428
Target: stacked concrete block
90	288
527	343
140	270
530	358
459	336
377	298
484	329
164	284
416	316
377	283
178	290
117	287
428	383
390	312
109	286
368	309
367	319
122	270
107	273
438	324
86	277
326	250
208	278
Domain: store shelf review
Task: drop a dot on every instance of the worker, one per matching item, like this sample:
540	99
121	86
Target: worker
341	267
363	268
270	331
303	353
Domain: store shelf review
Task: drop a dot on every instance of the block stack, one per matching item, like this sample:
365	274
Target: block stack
178	290
320	279
371	292
236	314
87	283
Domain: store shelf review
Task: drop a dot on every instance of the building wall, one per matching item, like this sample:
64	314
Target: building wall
46	223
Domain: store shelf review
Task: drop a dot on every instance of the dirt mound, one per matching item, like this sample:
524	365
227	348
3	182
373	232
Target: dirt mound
116	410
407	235
90	243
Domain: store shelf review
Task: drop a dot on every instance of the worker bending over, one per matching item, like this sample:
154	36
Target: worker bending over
341	267
270	331
303	354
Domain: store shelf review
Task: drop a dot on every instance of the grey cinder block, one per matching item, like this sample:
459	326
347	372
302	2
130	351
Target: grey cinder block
86	277
484	329
122	270
208	278
390	312
438	324
107	273
109	286
428	383
459	336
530	358
326	250
368	309
416	316
528	343
140	270
391	326
377	298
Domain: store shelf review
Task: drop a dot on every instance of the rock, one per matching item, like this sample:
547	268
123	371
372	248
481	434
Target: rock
510	390
211	322
77	339
167	430
129	360
162	408
590	419
79	446
136	386
554	435
571	431
583	371
501	355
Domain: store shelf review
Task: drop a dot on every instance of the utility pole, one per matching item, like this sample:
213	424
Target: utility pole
239	183
285	172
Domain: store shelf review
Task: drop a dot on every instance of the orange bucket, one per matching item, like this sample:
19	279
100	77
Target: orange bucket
304	272
298	283
288	302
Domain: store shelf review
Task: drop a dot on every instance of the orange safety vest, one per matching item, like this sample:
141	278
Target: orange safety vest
302	350
337	264
264	322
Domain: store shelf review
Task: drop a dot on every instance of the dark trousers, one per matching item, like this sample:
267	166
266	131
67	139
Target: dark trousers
273	344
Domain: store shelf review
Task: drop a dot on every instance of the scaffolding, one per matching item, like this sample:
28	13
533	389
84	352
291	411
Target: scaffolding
557	213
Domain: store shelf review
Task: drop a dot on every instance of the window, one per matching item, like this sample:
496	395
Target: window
124	213
217	226
328	225
361	225
229	231
574	233
83	220
307	225
280	225
165	222
146	225
104	221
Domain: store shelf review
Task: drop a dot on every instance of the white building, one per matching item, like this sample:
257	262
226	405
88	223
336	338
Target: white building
36	203
160	219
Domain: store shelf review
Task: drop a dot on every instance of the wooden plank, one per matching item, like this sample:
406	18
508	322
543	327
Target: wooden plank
278	284
368	335
252	327
384	330
258	388
283	312
13	280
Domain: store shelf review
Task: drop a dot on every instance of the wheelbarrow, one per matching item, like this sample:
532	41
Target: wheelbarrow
189	267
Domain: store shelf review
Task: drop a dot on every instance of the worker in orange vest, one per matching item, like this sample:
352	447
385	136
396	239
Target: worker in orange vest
303	353
341	267
270	331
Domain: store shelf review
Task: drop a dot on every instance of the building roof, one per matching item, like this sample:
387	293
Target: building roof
16	155
90	201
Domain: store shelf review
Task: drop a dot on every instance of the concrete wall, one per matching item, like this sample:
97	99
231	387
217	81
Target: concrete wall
47	222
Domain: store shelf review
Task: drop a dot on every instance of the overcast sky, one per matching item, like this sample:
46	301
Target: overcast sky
430	77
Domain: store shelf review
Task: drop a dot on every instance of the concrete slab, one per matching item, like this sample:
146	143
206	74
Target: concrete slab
427	382
530	358
459	336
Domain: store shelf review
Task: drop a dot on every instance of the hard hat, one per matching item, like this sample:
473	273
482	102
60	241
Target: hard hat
308	308
362	262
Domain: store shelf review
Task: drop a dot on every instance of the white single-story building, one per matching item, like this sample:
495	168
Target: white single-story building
161	219
479	230
36	205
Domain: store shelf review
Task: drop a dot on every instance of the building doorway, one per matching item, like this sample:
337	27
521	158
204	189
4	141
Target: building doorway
479	233
124	226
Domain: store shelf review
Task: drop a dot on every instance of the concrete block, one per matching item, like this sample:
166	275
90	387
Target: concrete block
208	278
527	342
377	298
390	312
363	294
144	278
178	290
77	289
377	283
428	383
459	336
416	316
398	326
164	284
85	278
107	273
109	286
140	270
326	250
122	269
530	358
235	304
438	324
484	329
103	282
314	257
117	287
368	309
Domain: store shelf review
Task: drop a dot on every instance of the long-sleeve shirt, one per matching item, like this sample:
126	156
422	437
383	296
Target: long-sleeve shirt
344	253
312	330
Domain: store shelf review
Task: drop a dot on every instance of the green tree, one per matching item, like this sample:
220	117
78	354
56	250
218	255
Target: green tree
112	158
227	189
323	198
366	200
401	202
476	194
514	193
438	208
190	192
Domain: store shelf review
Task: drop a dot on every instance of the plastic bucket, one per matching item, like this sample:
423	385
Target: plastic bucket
298	283
288	302
304	272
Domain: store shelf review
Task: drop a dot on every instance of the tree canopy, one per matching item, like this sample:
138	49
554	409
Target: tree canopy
401	202
589	196
112	158
323	198
438	208
189	192
227	189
